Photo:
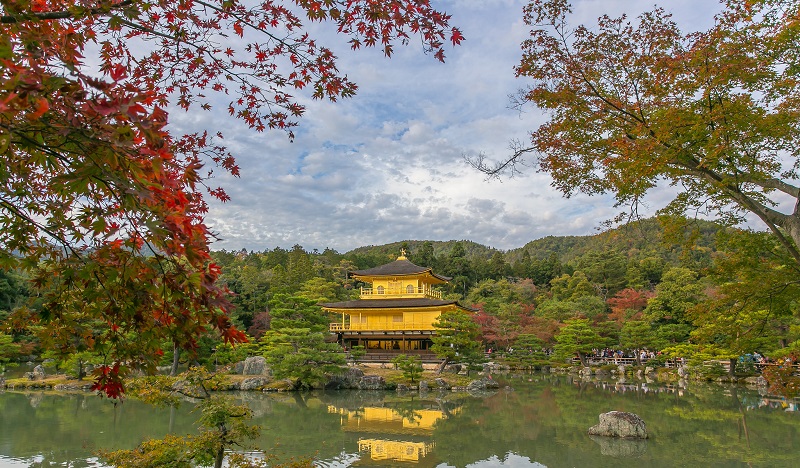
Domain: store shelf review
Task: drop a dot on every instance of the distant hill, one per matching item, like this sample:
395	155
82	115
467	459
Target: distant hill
390	251
644	235
638	236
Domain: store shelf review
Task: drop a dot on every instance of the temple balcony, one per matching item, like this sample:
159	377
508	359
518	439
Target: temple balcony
400	293
408	325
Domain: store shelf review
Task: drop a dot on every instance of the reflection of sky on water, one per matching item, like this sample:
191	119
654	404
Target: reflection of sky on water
511	460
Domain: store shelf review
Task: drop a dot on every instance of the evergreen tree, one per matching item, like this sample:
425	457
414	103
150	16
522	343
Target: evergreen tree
637	334
302	355
295	347
577	338
457	339
498	268
424	256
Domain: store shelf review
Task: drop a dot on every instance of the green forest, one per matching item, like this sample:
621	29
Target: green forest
692	290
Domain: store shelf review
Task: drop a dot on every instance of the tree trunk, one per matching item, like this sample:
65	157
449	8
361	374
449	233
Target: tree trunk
582	358
441	367
220	456
176	357
223	441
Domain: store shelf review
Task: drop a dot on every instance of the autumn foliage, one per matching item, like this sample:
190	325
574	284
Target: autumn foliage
99	202
634	103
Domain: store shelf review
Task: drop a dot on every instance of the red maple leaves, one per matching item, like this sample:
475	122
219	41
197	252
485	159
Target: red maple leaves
99	202
108	380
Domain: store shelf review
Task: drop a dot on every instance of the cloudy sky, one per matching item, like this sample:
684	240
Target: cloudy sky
388	165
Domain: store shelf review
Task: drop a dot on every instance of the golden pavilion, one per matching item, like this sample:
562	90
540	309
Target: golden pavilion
395	315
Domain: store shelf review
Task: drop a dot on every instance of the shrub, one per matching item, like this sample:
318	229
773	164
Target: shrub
411	366
659	360
711	371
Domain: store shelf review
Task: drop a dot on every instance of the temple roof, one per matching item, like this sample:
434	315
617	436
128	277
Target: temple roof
399	267
390	303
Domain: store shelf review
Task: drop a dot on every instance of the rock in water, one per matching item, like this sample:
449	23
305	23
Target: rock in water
482	384
620	424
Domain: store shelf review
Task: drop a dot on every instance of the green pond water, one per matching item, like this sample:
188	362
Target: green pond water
541	422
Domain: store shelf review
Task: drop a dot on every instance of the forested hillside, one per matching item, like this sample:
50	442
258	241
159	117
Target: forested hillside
694	289
636	286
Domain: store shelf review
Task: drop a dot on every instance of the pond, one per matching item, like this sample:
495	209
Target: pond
541	422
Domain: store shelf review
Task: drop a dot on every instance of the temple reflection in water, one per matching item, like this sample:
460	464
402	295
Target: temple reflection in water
404	435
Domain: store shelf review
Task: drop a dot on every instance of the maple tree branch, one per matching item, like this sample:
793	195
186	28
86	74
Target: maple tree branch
11	207
257	28
113	190
145	29
56	15
772	218
773	183
241	78
479	162
595	91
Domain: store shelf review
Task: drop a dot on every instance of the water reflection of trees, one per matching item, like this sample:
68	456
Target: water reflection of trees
543	419
65	429
706	424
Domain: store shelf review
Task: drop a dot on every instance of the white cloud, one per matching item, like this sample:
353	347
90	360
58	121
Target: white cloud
387	165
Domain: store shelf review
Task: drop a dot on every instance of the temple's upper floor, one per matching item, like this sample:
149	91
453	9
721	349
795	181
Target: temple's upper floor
400	279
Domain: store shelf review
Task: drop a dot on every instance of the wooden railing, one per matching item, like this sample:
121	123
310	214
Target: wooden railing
386	356
623	361
399	293
629	361
384	326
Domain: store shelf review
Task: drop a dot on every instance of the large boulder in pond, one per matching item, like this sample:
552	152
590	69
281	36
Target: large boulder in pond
481	385
255	365
620	424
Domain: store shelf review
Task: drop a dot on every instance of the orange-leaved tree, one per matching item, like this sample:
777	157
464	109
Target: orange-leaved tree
99	202
634	104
